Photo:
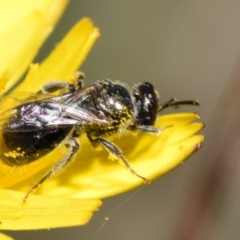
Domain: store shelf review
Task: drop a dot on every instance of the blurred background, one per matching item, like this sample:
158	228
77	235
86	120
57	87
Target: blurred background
188	50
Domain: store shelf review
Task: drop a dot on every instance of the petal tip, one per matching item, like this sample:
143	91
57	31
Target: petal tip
198	145
202	125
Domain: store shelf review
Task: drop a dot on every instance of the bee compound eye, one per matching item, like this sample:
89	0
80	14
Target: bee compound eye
145	99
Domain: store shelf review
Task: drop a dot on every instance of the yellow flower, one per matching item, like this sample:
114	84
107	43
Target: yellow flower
70	198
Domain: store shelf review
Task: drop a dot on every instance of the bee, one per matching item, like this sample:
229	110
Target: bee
35	128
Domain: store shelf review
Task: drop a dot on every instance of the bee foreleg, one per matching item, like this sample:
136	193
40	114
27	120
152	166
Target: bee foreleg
73	148
116	152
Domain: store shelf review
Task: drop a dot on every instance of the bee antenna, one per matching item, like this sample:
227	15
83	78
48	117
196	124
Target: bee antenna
175	102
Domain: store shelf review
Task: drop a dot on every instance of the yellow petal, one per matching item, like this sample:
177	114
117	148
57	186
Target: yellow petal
66	58
93	175
5	237
3	82
43	212
26	25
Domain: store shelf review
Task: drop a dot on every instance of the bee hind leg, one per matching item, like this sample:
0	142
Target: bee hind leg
117	153
73	148
56	85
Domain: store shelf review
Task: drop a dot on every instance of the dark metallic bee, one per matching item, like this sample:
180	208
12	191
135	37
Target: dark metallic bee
33	129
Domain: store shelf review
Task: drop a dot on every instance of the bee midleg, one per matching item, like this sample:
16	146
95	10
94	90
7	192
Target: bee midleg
56	85
73	148
116	152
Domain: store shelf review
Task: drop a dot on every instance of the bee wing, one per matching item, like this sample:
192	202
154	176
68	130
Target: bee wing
9	104
15	99
79	116
43	115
